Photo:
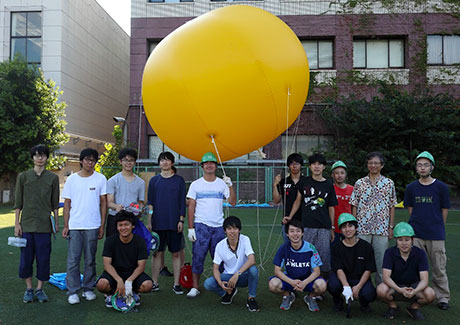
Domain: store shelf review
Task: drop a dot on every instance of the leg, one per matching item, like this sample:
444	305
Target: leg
156	265
42	253
275	285
143	283
176	267
199	251
385	293
335	288
75	247
319	287
367	294
252	281
437	254
27	259
90	248
380	244
211	284
103	285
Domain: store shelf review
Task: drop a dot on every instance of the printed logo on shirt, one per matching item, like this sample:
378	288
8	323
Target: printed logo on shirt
313	198
210	195
92	188
360	257
292	263
423	199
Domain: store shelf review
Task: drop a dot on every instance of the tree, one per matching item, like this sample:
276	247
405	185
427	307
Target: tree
30	113
108	163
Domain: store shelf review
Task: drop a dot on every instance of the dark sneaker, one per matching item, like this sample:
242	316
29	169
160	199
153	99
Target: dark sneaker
311	303
319	298
443	305
155	287
108	301
178	290
391	313
287	301
252	304
415	314
28	296
165	272
228	297
41	296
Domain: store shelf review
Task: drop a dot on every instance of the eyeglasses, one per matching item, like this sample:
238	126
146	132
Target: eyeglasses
38	156
88	159
374	163
426	165
164	160
128	160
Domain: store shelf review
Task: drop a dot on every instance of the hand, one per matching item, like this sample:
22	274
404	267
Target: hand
226	288
300	286
18	230
228	181
149	226
277	180
65	232
332	235
347	293
407	292
180	226
390	233
118	207
233	280
101	232
120	288
191	235
285	220
129	288
355	291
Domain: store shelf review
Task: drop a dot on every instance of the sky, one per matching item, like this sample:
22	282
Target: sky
120	10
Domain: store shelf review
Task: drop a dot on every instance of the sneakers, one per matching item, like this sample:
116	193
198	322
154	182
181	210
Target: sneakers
137	299
319	298
443	305
391	313
193	293
178	290
415	314
41	296
287	301
311	303
252	304
165	272
28	296
228	297
73	299
155	287
108	301
89	295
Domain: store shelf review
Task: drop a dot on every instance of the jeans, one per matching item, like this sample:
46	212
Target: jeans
248	278
81	241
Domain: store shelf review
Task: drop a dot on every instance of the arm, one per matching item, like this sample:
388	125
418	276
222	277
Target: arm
108	267
280	274
295	207
332	217
234	279
18	206
65	230
138	270
191	213
342	278
276	193
216	274
103	207
149	217
444	215
111	203
389	281
316	272
354	210
232	198
392	222
17	225
357	288
182	204
422	284
409	209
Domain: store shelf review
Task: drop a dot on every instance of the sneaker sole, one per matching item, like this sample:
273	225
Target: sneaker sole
309	308
178	292
252	310
290	304
27	301
194	296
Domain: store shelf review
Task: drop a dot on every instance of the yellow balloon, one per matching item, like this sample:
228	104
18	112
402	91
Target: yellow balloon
237	73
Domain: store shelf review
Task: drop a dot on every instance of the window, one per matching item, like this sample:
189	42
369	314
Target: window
379	53
26	36
169	1
319	53
443	49
156	146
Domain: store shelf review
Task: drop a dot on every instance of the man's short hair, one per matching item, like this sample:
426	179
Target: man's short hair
295	223
89	152
124	215
232	221
378	155
294	157
354	223
166	155
41	149
127	152
317	157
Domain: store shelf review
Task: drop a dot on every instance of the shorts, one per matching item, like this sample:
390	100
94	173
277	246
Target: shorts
172	239
287	287
136	283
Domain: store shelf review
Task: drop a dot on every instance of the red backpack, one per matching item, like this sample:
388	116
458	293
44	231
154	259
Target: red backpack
185	277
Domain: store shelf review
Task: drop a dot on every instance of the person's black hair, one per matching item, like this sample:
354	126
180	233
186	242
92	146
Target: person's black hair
124	215
166	155
89	152
295	223
317	157
354	223
127	152
294	157
232	221
41	149
378	155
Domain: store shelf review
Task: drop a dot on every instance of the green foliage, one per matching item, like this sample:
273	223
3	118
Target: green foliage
400	125
108	163
30	114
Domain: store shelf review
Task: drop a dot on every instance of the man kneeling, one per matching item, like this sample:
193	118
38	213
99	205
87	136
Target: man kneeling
237	256
301	262
124	256
405	275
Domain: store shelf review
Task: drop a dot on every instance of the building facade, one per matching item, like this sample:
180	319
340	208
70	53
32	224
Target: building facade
349	44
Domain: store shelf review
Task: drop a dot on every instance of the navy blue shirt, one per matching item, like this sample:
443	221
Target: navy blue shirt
427	202
405	273
167	196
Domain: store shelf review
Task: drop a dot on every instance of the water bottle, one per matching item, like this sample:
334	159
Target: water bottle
17	241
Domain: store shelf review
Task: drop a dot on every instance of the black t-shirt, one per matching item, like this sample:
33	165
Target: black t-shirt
353	261
317	197
125	256
287	185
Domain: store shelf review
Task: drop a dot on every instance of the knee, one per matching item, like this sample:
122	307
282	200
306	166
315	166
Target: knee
254	271
103	285
430	295
275	285
382	290
175	255
146	286
320	286
209	283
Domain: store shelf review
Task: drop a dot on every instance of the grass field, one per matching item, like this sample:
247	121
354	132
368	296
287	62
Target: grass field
164	307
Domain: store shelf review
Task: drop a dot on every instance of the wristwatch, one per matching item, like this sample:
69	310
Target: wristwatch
391	227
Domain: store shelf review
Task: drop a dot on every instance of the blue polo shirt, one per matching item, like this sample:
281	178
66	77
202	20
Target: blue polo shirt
405	272
298	264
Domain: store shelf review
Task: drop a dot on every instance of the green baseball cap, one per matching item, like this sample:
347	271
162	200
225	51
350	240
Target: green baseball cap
346	217
339	163
208	156
426	155
403	229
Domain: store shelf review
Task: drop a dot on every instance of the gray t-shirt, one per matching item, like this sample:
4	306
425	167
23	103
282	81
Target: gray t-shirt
125	192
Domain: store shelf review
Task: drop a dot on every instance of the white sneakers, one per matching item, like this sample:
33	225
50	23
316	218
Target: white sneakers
89	295
74	299
193	293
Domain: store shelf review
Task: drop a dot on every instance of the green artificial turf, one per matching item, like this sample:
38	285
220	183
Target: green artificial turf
164	307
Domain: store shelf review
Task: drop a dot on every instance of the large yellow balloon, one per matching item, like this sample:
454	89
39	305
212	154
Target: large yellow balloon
226	73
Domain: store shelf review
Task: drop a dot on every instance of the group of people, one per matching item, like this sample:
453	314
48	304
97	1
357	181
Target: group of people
336	235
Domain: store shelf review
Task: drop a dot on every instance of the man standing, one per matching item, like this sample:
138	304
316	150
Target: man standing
36	197
85	207
123	188
352	263
317	198
373	204
166	197
205	215
236	254
427	200
343	192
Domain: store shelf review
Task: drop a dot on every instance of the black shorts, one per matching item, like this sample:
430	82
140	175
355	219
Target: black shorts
136	283
172	239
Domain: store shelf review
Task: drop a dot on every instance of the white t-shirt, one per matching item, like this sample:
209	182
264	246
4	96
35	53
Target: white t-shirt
209	197
125	192
232	261
84	194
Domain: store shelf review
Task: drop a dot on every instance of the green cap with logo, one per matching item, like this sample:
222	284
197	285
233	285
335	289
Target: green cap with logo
426	155
346	217
339	163
403	229
208	156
